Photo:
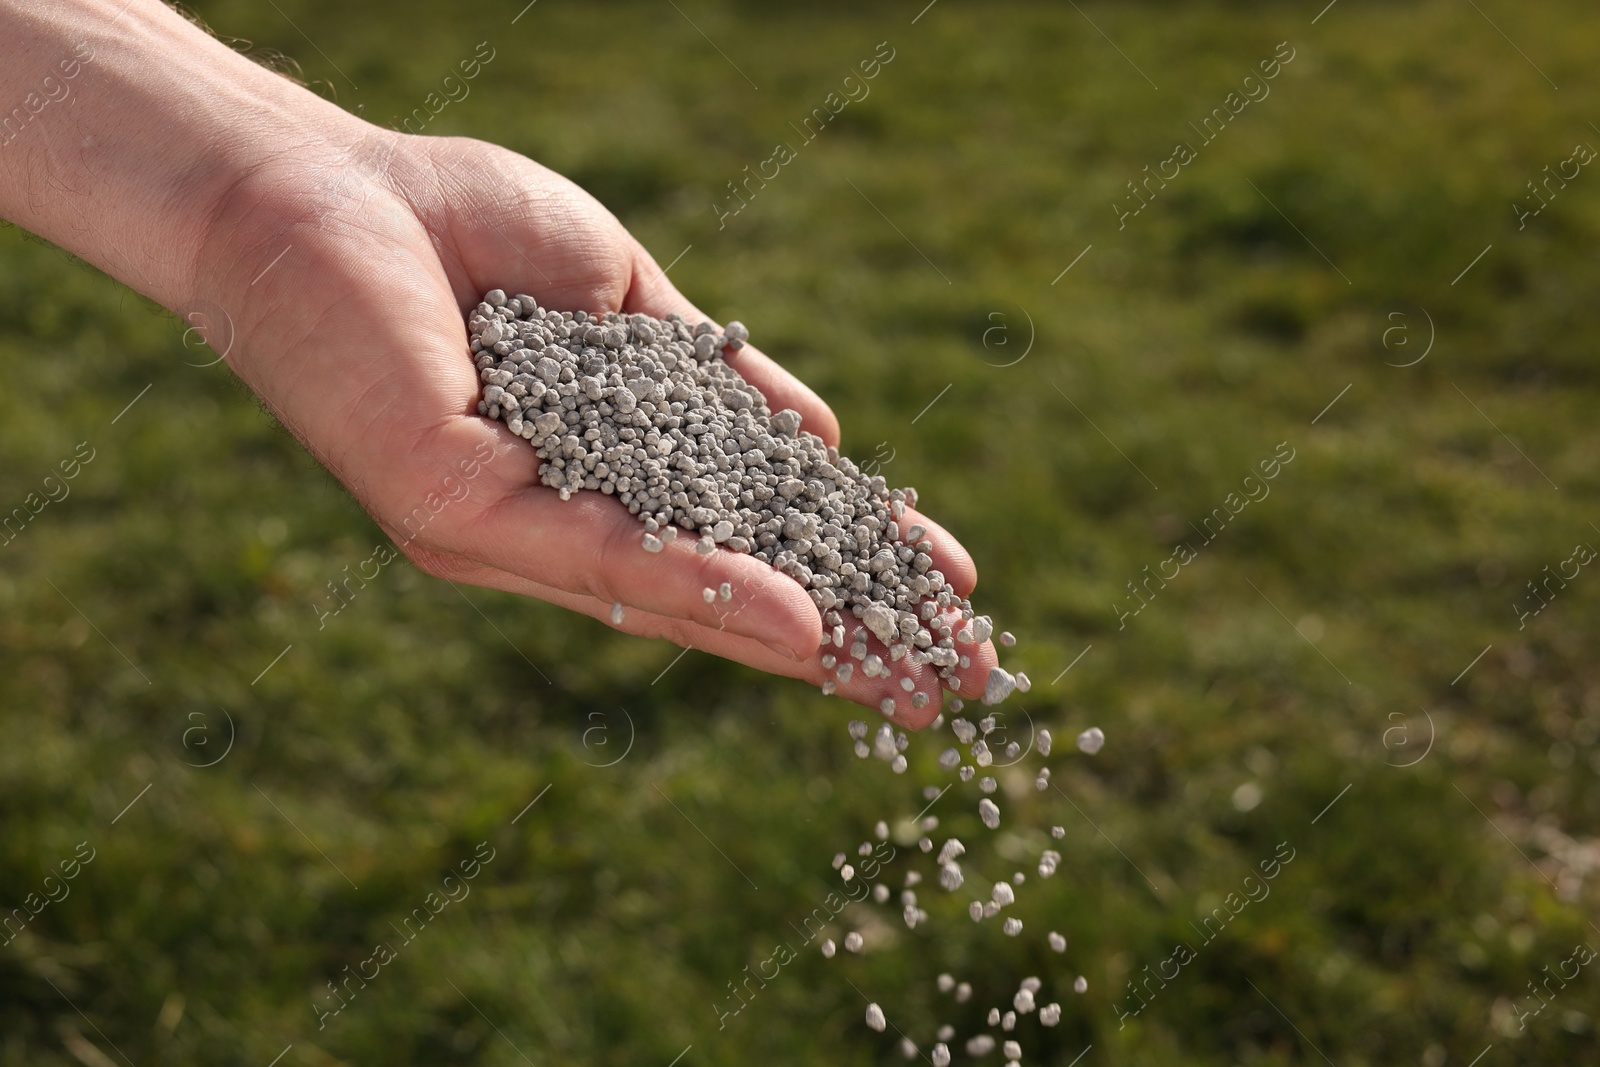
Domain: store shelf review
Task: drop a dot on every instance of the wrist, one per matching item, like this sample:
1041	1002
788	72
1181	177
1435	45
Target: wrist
137	131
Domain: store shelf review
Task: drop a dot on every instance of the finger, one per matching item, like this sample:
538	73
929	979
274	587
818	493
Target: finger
652	294
591	545
869	692
949	557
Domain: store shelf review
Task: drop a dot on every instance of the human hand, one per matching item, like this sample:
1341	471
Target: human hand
346	257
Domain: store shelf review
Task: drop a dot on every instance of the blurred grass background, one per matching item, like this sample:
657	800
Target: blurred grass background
380	750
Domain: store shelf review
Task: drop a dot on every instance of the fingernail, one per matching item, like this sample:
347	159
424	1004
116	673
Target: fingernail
786	651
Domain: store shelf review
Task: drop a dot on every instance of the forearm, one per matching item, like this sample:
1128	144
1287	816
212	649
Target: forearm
123	128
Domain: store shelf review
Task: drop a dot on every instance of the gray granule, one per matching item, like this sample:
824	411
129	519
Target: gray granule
616	614
950	876
650	412
989	812
999	686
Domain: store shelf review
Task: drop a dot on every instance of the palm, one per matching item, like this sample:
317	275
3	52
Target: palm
357	340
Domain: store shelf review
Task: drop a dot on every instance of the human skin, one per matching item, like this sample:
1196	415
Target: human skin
344	257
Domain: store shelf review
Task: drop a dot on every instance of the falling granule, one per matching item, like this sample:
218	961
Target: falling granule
862	750
1048	862
898	765
925	844
1007	639
994	1017
963	993
1080	984
956	704
1008	1021
1013	750
950	758
847	872
990	910
616	614
1031	984
941	1055
987	724
930	823
1042	742
1018	878
875	1018
981	755
946	1032
1091	740
1000	685
1012	927
989	812
853	942
880	830
966	773
1050	1014
975	909
950	876
864	849
965	732
858	729
1011	1050
913	878
951	850
1058	832
1023	1002
1057	942
1023	682
1040	783
908	898
708	594
945	983
880	893
886	706
838	860
829	687
981	1045
908	1048
1003	894
988	784
828	949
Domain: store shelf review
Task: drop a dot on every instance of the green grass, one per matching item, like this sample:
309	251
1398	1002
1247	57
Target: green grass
381	750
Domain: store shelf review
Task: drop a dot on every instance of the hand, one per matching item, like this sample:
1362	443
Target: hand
356	338
346	257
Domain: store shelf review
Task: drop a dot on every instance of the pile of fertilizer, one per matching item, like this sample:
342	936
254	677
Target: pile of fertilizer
648	410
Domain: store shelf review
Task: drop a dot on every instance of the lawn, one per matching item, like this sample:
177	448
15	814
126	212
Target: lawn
1216	333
